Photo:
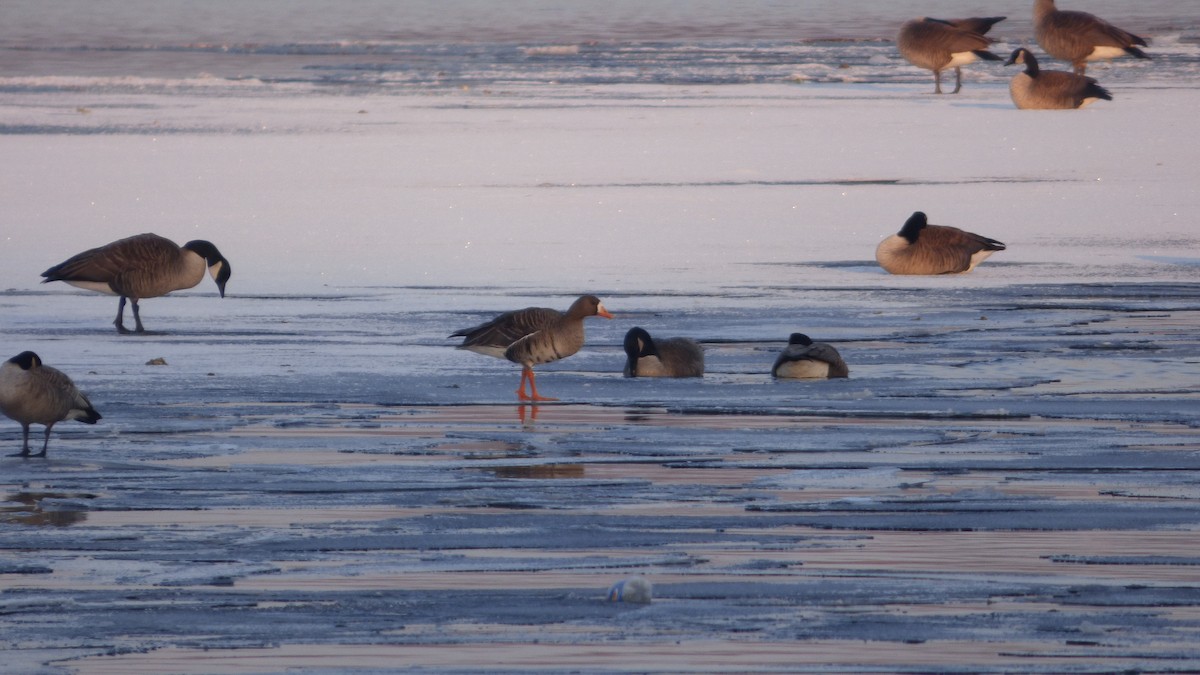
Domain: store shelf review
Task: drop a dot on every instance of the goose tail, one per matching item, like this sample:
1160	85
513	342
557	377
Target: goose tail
1134	51
1096	91
84	412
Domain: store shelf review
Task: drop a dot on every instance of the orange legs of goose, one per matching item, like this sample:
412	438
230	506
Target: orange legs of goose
527	374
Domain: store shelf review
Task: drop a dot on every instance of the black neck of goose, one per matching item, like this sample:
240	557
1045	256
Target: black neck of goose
1031	64
639	344
913	226
26	360
205	250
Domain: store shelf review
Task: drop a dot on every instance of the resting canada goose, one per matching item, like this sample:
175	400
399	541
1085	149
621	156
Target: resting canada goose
671	357
532	336
139	267
1079	37
804	358
1037	89
31	393
921	248
937	44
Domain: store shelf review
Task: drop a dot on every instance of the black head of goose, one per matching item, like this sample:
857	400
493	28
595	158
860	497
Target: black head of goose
533	336
938	44
1079	37
668	357
139	267
921	248
33	393
1037	89
805	359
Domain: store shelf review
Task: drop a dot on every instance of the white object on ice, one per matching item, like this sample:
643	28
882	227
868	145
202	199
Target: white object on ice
633	589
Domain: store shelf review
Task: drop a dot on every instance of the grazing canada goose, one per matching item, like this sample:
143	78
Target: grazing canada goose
804	358
937	44
31	393
139	267
921	248
1037	89
672	357
532	336
1079	37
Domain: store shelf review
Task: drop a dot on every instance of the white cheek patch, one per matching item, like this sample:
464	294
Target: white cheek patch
214	270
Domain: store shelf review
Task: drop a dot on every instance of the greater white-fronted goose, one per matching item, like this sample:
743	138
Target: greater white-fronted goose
139	267
669	357
938	44
805	359
1079	37
921	248
32	393
533	336
1037	89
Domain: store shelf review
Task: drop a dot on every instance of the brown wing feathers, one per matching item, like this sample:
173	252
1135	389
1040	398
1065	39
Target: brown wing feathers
507	328
117	262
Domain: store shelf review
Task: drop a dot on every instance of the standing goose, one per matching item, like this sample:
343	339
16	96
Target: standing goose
804	358
1037	89
139	267
921	248
1079	37
532	336
937	44
31	393
672	357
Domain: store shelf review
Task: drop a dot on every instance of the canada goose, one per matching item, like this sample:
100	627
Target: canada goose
31	393
532	336
139	267
1079	37
670	357
921	248
1037	89
803	358
937	44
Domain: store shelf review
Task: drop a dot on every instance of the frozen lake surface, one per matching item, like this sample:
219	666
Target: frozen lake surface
1005	482
316	481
